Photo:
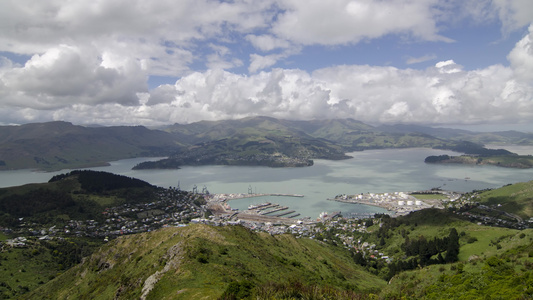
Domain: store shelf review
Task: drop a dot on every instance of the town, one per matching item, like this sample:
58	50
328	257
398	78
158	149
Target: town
175	207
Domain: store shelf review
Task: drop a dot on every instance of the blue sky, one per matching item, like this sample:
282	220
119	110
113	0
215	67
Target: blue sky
140	62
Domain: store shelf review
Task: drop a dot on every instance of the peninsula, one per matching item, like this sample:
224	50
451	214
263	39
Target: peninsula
508	161
401	203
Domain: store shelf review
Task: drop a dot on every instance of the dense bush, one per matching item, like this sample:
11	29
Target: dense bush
34	202
96	181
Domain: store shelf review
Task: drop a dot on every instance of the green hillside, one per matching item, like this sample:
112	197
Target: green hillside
280	143
248	141
514	198
232	262
78	195
347	133
61	145
203	262
498	265
48	228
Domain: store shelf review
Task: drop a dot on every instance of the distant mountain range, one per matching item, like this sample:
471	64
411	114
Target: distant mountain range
58	145
249	141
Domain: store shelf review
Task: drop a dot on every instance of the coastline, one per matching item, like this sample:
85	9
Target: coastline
400	203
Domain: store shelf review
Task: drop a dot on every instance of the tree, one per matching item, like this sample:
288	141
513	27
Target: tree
452	249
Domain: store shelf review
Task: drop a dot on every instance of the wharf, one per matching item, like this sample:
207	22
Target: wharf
274	210
285	213
293	216
267	207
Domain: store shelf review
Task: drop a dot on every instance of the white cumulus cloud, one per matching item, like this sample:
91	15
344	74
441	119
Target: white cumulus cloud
90	61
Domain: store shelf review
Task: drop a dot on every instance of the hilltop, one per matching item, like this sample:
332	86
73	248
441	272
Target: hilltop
200	261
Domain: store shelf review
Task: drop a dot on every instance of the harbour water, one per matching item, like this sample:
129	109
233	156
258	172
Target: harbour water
375	171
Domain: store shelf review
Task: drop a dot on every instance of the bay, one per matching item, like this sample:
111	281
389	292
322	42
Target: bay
375	171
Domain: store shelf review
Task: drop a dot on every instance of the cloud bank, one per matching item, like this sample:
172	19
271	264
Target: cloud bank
89	62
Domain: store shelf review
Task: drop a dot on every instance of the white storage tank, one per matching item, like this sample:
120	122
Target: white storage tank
418	202
409	202
401	203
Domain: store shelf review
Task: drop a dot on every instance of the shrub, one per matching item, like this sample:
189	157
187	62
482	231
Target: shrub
471	239
202	258
238	290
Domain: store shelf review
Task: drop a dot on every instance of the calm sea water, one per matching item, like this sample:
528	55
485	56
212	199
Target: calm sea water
374	171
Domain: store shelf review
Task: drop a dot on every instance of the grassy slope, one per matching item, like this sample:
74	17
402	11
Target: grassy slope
200	261
516	198
504	273
87	205
59	145
438	224
474	276
24	269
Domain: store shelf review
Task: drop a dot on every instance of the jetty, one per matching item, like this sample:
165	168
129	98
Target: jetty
261	212
267	207
274	210
285	213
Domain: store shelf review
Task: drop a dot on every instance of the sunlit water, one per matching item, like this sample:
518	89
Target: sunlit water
373	171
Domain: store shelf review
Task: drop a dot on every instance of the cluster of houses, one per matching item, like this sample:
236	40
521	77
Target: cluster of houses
173	207
348	232
300	228
176	208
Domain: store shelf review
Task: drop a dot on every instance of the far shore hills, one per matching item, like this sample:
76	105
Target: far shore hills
257	141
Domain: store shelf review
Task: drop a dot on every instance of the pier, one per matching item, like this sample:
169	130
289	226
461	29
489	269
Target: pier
274	210
285	213
267	207
261	212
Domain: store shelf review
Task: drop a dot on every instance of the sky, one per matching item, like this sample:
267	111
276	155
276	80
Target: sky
157	62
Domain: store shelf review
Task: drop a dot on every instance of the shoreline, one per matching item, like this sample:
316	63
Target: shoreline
399	203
